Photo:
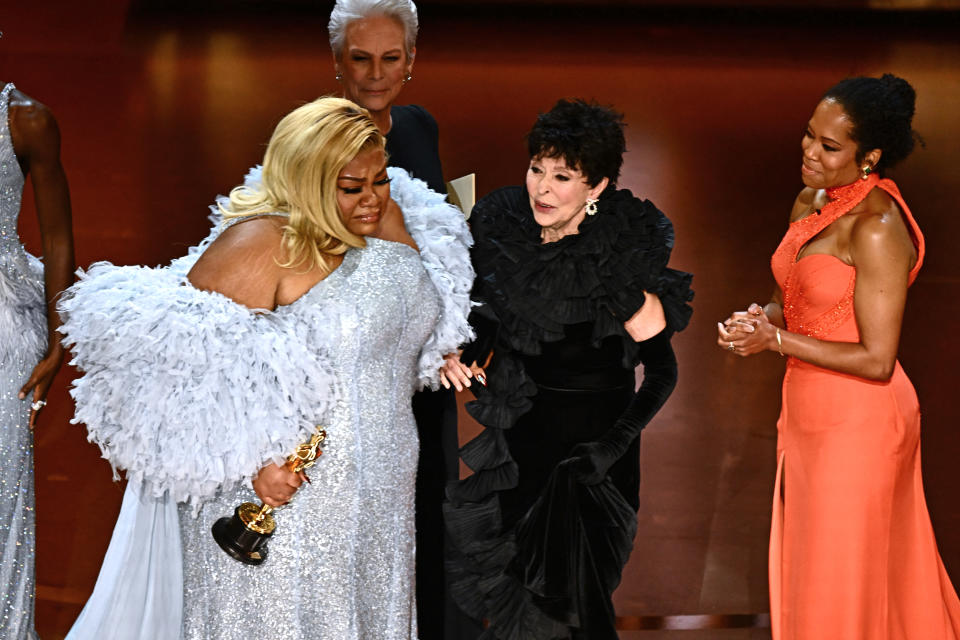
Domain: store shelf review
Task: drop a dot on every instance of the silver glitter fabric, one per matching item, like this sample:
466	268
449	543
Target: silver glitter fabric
340	564
190	392
22	340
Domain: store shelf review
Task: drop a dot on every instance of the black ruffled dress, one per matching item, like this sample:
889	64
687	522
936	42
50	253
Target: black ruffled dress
538	553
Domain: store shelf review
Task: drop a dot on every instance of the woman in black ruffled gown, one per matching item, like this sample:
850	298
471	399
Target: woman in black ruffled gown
575	293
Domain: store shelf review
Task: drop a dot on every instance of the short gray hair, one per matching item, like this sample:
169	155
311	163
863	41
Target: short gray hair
346	11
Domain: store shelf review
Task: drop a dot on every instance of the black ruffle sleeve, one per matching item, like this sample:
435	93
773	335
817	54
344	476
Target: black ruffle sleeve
555	570
533	290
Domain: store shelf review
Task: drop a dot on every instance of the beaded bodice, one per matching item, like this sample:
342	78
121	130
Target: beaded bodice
11	178
818	288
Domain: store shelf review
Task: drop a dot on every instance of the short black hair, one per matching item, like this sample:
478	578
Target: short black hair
588	136
881	110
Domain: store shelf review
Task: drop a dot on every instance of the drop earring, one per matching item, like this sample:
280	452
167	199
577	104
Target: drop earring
867	170
591	206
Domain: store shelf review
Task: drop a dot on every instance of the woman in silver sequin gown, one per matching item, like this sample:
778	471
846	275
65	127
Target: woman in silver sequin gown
221	391
29	145
341	560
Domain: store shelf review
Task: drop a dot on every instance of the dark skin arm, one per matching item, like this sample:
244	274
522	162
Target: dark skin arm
243	264
874	239
36	141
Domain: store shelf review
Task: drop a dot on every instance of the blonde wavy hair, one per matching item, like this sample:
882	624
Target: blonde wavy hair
306	153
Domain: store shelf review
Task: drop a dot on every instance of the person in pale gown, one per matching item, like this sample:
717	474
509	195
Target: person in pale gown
334	288
30	349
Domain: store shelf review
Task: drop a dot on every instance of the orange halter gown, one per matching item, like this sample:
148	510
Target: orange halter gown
852	552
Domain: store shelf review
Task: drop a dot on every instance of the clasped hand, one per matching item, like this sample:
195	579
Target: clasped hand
747	332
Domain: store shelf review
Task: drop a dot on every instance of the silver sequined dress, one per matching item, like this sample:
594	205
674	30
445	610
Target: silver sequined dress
341	559
192	393
22	342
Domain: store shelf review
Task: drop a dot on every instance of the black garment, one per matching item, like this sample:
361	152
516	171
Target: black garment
436	416
538	552
412	145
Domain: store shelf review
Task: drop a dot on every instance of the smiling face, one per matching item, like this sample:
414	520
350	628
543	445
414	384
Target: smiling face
373	62
829	153
363	189
558	195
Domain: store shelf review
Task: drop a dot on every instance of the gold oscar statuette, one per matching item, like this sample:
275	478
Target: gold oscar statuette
244	535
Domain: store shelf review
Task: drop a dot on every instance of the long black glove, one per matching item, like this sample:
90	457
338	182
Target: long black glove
592	460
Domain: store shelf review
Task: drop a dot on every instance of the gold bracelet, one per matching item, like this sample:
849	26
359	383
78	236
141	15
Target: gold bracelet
779	342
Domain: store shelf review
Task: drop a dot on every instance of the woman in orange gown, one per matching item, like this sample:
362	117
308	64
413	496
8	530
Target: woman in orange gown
852	552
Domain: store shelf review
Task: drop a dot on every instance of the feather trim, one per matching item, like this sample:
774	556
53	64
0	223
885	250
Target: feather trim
444	240
187	390
23	312
598	275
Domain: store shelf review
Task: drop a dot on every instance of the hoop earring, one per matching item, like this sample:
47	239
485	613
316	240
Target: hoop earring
591	206
867	170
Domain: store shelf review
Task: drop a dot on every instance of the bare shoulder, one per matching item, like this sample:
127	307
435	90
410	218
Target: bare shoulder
33	128
243	263
805	202
250	241
878	214
878	230
29	116
255	231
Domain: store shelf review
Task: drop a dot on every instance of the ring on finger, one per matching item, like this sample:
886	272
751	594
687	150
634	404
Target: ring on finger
39	404
732	347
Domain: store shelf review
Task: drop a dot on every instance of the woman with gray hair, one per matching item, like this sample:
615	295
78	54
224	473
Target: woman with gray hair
374	46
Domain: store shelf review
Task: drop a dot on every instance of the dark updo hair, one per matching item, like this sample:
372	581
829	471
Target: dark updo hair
881	110
588	137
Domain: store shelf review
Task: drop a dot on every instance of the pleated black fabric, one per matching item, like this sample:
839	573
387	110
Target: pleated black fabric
536	552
